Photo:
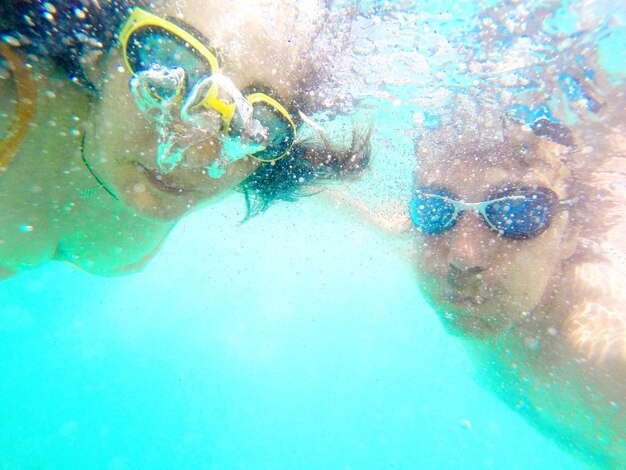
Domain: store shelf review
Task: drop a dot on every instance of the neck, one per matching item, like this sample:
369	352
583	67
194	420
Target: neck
538	336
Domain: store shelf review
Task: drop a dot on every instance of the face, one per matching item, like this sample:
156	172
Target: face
122	144
479	282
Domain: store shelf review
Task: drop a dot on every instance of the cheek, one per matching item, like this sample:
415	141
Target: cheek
123	133
431	255
530	268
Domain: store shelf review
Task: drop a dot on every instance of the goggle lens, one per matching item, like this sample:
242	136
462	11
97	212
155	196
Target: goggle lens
281	133
155	47
431	213
521	217
516	214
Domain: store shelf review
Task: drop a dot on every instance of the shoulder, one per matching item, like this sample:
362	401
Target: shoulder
597	323
598	320
103	238
393	218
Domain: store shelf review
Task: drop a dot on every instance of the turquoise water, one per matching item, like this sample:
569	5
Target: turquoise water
297	340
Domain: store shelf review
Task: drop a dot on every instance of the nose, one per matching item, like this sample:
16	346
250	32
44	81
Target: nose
204	152
468	244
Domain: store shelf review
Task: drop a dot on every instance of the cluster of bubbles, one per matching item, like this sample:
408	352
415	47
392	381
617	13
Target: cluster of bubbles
183	123
419	54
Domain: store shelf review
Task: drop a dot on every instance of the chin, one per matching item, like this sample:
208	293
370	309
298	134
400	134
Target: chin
471	321
162	213
153	204
165	213
469	317
470	327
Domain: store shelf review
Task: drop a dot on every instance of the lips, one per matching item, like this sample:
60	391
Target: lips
471	292
466	287
460	299
156	179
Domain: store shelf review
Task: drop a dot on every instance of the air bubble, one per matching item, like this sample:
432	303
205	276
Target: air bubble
50	8
11	41
139	188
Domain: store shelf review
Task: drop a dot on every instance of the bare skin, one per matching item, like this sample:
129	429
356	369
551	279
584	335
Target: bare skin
513	302
550	343
53	206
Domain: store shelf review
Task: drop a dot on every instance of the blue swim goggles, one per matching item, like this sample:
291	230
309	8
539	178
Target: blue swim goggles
518	213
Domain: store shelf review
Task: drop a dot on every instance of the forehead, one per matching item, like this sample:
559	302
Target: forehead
207	15
255	40
231	23
472	174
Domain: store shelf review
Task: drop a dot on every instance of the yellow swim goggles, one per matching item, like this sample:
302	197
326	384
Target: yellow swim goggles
149	41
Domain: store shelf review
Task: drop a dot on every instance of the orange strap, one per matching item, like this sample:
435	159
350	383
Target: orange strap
24	109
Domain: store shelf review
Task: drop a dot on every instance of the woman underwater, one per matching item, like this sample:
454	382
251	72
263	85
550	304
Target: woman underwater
117	119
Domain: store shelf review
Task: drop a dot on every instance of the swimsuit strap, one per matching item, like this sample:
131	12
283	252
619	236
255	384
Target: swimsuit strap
24	109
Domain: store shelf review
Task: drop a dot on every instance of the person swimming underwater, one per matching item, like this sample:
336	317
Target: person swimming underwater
514	224
119	118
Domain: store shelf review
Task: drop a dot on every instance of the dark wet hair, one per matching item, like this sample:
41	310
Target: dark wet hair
307	163
292	176
554	131
487	132
70	33
67	32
